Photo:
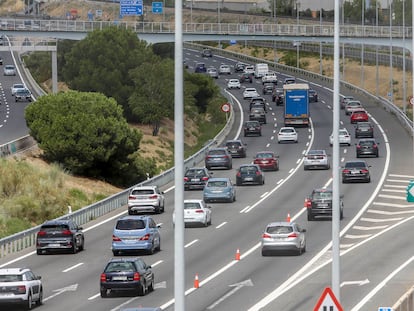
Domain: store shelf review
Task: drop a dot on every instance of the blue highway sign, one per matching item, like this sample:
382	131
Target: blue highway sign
157	7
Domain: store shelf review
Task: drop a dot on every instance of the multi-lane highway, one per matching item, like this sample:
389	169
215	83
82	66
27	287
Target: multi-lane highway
375	240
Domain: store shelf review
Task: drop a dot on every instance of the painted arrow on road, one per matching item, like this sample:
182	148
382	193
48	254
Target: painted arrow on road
359	283
237	287
57	292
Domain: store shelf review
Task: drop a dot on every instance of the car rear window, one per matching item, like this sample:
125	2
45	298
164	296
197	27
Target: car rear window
279	229
322	195
11	277
130	224
191	205
233	145
191	173
119	266
255	123
217	183
142	191
216	152
248	169
366	143
354	164
264	155
54	227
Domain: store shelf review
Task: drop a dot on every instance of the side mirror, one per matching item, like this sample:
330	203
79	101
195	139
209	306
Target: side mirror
38	277
159	226
303	230
80	228
208	206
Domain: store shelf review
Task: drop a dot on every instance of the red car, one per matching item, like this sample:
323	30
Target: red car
359	116
267	160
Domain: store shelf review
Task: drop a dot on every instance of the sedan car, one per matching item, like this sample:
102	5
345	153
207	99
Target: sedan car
250	92
356	171
267	160
267	88
359	116
319	203
313	96
249	174
196	178
344	137
22	95
219	189
206	53
196	212
289	80
218	157
236	148
252	128
287	134
364	129
145	199
59	235
233	84
316	159
246	77
20	286
352	105
126	275
9	70
258	114
258	102
200	68
283	237
224	69
344	100
239	67
367	147
15	87
212	72
136	233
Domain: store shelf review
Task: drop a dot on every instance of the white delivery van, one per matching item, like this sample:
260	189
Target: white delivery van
260	70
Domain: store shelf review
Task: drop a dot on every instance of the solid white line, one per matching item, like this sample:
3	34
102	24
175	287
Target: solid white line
379	220
94	296
394	205
297	161
169	189
191	243
374	211
73	267
264	194
247	207
361	236
279	181
394	190
221	225
392	197
395	186
404	176
398	180
369	228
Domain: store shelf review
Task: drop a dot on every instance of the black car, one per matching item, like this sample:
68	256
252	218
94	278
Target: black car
22	95
364	129
206	53
218	157
258	102
257	114
59	235
278	96
356	171
126	275
319	203
200	68
246	77
196	178
268	88
367	147
313	96
236	148
252	128
249	174
239	67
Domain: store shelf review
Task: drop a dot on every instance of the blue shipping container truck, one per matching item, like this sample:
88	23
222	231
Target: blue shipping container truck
296	104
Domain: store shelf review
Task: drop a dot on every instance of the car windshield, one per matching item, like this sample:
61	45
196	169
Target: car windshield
355	164
248	169
191	173
216	152
130	224
217	183
55	227
142	191
279	229
11	277
119	266
192	205
322	195
264	155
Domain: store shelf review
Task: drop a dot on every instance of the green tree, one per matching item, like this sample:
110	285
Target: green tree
86	133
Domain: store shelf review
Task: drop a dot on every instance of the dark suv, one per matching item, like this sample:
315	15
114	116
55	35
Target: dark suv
258	114
200	68
319	203
126	275
218	157
246	77
196	178
364	129
236	148
59	235
252	127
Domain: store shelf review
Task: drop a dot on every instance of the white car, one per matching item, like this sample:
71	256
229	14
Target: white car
250	92
233	84
344	137
352	105
145	199
9	70
196	212
316	159
16	87
269	77
20	286
249	69
224	69
287	134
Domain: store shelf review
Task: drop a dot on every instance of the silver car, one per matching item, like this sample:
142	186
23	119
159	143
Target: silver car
344	137
352	105
212	72
283	236
9	70
316	159
224	69
233	84
145	199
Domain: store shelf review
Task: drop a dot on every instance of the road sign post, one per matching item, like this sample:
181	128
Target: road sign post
328	302
410	191
226	108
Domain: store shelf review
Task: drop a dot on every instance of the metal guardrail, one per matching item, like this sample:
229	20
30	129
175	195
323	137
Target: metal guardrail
406	301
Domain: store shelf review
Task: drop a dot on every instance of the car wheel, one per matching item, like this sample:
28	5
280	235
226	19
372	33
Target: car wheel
238	183
341	215
159	246
369	180
39	301
305	168
234	198
209	222
377	155
344	181
151	286
328	167
39	252
299	251
357	155
163	207
230	166
82	246
260	133
29	302
74	249
208	167
151	251
142	289
263	181
158	210
304	248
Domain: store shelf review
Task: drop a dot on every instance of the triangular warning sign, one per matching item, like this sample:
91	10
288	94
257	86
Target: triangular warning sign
328	302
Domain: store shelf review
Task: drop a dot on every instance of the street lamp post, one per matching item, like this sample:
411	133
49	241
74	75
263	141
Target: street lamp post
320	43
362	46
404	77
376	53
297	30
391	80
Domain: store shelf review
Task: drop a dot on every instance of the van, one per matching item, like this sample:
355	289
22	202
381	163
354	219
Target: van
260	70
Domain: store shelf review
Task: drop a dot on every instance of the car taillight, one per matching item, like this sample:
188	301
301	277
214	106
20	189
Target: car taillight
266	236
131	197
238	174
137	277
358	147
145	237
375	146
308	203
116	239
225	156
67	232
186	179
103	277
41	233
200	211
346	171
258	173
21	289
155	196
293	235
364	171
204	178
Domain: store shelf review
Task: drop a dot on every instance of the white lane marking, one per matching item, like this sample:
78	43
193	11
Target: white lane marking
360	236
271	138
247	207
279	181
264	194
268	145
380	220
274	131
397	180
221	225
328	183
307	144
297	161
157	263
403	176
395	186
392	197
369	228
345	150
393	205
291	170
394	190
303	153
73	267
94	296
191	243
375	211
239	130
342	159
169	189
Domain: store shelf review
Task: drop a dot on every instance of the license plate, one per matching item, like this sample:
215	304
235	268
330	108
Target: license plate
119	278
354	172
195	179
5	294
252	128
248	179
216	191
54	245
322	205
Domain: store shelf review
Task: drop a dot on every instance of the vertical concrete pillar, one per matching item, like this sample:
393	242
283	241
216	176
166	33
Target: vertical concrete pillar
54	73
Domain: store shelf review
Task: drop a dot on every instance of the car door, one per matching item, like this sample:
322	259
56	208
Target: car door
154	232
144	270
33	283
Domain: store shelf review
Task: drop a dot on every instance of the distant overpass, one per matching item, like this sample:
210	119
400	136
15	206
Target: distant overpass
155	32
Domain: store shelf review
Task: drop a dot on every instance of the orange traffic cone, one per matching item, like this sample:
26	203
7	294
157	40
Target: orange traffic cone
196	283
288	217
237	254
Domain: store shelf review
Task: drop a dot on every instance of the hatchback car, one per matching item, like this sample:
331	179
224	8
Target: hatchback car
212	72
267	88
236	148
250	92
258	102
283	237
249	174
239	67
356	171
60	235
316	159
126	275
352	105
278	97
20	286
196	178
246	77
233	84
224	69
145	199
136	233
9	70
344	100
359	116
267	160
22	95
313	96
15	87
219	190
196	212
319	203
364	129
258	114
200	68
287	134
206	53
218	157
367	147
252	128
344	137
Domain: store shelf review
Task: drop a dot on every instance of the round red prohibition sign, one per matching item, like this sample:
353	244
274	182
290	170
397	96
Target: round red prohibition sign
225	107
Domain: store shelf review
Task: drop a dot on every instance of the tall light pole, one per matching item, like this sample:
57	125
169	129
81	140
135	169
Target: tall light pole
376	53
391	93
343	44
297	29
320	43
404	77
362	46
